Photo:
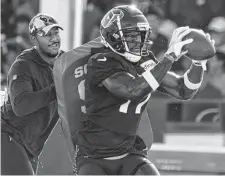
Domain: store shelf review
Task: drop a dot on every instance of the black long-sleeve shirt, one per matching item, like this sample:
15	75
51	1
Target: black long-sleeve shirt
30	113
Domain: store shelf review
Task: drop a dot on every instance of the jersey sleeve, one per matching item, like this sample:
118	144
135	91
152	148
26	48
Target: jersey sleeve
101	67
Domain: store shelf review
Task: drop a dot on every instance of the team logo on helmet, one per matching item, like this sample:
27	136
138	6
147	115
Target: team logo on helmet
111	17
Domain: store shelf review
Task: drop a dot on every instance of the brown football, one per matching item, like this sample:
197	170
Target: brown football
201	48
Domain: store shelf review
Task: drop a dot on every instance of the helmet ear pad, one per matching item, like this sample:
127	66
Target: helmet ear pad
111	37
116	43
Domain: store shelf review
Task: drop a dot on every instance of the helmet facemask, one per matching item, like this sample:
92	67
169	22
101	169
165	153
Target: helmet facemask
132	43
136	40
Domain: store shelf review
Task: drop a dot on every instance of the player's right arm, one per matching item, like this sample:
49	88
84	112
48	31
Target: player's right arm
24	99
130	87
127	86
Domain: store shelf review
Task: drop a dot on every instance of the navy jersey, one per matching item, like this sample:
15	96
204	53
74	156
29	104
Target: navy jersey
112	121
105	109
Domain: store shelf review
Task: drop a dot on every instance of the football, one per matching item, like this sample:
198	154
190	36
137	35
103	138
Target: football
201	48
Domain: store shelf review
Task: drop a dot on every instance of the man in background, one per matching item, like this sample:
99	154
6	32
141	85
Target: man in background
29	113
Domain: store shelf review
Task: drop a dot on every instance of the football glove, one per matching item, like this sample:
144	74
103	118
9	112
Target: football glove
176	43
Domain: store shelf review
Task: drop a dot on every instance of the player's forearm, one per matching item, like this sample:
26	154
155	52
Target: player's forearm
195	74
151	80
161	69
192	80
137	88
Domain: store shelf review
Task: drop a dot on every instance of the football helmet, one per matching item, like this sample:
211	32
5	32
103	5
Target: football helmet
125	30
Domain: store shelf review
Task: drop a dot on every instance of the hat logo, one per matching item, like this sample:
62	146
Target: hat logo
39	22
46	20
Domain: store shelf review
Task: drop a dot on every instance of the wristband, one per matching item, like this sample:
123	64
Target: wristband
151	80
190	85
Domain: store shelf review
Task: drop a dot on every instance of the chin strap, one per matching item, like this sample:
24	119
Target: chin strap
131	57
128	56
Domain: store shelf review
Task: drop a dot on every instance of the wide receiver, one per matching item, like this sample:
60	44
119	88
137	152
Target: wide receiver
118	86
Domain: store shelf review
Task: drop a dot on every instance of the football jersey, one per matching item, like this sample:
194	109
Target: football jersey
104	108
112	121
70	74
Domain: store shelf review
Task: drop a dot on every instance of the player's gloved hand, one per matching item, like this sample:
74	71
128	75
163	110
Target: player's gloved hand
176	43
201	63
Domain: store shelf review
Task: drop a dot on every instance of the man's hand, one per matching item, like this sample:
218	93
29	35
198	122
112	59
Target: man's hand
176	43
201	63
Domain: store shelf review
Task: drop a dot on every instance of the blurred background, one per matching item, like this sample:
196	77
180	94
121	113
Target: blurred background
188	135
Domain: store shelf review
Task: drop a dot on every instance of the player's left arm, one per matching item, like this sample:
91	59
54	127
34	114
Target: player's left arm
186	86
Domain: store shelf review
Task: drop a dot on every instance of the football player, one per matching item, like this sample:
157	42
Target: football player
118	86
